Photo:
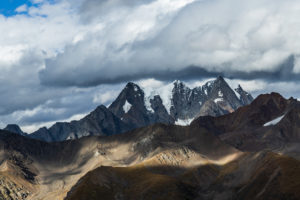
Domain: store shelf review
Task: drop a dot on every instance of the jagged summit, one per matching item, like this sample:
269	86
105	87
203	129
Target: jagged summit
176	102
220	79
131	86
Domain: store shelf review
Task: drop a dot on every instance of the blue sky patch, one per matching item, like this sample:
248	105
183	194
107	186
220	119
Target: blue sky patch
8	7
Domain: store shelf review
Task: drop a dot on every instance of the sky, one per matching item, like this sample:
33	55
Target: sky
60	59
8	7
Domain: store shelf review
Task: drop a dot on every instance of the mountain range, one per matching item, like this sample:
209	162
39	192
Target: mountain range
135	107
249	153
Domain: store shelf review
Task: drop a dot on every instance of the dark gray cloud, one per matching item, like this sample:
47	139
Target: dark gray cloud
132	43
282	72
91	10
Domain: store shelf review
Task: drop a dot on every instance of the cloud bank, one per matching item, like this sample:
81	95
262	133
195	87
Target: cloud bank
137	40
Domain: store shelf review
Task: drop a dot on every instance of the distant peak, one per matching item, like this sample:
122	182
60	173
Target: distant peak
14	128
220	78
263	98
43	128
133	86
239	89
178	83
101	107
131	83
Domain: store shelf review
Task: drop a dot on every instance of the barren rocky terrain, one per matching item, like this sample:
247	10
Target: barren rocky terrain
235	156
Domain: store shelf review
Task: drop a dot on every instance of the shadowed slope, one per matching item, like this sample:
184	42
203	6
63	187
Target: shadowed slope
58	166
253	176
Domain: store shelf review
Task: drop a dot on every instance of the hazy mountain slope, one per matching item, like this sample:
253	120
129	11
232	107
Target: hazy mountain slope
99	122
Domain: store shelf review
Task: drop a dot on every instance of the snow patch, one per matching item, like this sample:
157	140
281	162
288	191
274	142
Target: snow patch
184	122
218	100
96	153
71	137
237	94
165	93
209	83
274	121
220	94
126	106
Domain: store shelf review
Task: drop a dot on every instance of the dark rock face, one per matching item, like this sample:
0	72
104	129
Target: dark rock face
160	113
135	114
134	108
222	94
210	108
14	128
214	98
181	102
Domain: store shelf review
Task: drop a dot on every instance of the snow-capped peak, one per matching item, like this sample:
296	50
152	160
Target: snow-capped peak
165	93
181	100
177	82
